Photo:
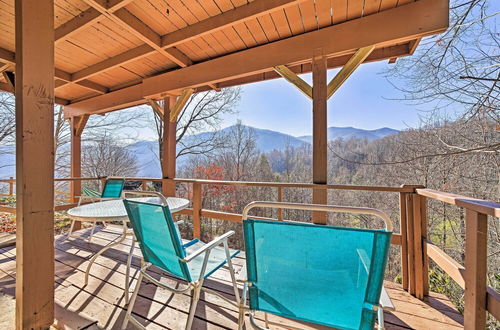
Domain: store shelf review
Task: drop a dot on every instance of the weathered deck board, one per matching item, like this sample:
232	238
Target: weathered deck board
102	302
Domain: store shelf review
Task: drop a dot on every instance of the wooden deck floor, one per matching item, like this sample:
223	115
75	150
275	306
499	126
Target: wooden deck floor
100	305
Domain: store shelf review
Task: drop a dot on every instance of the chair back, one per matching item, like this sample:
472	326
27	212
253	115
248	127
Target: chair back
158	237
113	188
316	273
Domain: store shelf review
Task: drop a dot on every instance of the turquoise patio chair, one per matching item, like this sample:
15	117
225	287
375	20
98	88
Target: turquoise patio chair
113	189
319	274
161	245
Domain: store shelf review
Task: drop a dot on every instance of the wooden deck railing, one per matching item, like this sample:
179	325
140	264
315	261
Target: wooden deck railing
415	247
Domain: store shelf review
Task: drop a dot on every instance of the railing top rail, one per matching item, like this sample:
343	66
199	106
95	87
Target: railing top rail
403	188
297	185
479	205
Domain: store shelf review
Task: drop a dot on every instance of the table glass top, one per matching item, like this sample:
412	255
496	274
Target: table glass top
116	208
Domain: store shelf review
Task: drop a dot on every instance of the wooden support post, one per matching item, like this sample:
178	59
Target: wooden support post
197	202
404	239
320	147
76	165
280	199
144	185
476	236
169	148
35	163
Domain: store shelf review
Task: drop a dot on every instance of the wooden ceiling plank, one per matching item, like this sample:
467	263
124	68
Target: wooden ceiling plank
215	23
238	15
351	66
294	79
427	17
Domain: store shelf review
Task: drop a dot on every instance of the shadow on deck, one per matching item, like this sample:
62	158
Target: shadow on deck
100	304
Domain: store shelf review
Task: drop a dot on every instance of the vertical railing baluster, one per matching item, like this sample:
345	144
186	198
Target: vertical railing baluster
197	202
280	199
476	237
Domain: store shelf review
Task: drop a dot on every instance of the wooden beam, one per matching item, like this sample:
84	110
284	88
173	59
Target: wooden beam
34	30
334	62
9	57
77	24
319	138
168	41
426	17
156	107
142	31
181	102
351	65
295	80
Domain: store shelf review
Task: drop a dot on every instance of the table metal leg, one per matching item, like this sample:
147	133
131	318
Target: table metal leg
101	251
127	272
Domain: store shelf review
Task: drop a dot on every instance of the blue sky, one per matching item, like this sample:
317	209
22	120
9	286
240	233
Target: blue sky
363	101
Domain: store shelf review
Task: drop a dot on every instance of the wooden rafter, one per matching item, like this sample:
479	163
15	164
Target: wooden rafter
336	40
76	24
168	41
156	107
9	57
294	79
181	102
348	69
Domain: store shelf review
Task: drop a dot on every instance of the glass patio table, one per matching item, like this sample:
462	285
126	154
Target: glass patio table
114	210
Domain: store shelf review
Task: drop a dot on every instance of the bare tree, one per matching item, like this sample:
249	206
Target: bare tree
203	112
456	74
106	157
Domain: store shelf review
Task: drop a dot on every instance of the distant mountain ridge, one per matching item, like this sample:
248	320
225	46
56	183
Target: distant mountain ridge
266	140
348	133
146	152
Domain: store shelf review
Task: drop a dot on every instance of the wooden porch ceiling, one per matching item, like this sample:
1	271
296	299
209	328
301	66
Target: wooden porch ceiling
112	54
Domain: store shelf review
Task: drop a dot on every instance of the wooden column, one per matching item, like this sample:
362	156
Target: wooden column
76	165
35	163
319	133
169	146
476	236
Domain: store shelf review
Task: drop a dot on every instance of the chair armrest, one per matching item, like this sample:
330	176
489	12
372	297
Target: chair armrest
215	242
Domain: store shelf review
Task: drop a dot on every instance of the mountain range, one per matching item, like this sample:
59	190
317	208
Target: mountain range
146	152
266	140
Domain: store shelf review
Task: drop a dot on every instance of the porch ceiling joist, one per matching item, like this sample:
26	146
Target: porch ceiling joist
169	41
400	25
64	77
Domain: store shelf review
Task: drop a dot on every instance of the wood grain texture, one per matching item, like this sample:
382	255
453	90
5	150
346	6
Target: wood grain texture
35	163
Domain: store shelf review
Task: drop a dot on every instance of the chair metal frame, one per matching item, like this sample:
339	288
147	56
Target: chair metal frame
385	302
195	286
